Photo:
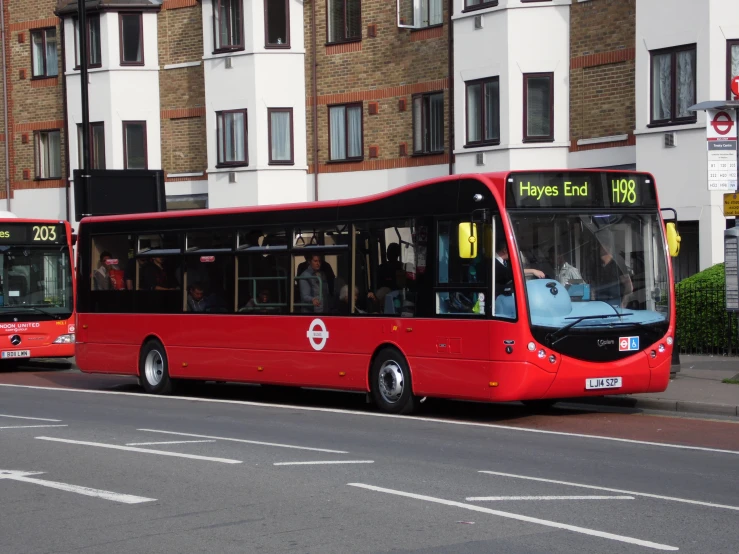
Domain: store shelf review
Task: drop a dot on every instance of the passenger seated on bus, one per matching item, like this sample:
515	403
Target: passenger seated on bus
101	275
326	269
198	301
314	289
564	272
257	304
344	301
154	276
391	273
503	271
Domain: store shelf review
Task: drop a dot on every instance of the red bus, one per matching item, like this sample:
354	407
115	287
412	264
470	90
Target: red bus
532	286
36	289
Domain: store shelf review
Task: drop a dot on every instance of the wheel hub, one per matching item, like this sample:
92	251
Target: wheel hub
391	382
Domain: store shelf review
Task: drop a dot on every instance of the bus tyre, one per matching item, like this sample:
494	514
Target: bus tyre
390	382
154	368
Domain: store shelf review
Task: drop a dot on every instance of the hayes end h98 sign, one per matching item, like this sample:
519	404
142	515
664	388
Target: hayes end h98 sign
721	138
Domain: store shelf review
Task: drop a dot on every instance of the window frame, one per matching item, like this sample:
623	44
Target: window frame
37	157
75	27
45	75
729	44
286	44
483	112
481	6
536	138
125	125
345	39
425	122
346	127
93	159
231	47
289	111
673	84
140	15
220	138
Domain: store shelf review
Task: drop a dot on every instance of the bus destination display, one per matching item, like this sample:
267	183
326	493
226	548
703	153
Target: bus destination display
32	233
580	190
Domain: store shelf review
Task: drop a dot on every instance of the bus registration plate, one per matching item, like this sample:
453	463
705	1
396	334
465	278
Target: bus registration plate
16	354
603	383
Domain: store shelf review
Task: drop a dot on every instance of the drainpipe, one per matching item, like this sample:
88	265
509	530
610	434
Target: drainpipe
451	87
5	109
315	101
66	122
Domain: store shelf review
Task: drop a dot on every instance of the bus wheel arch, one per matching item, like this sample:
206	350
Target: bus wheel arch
154	367
391	381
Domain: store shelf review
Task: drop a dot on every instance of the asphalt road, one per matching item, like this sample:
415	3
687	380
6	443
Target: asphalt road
109	470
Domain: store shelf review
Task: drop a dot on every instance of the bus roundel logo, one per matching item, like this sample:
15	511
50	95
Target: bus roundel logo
624	344
317	334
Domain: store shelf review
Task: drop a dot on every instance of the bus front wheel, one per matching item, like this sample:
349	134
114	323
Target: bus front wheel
390	381
154	368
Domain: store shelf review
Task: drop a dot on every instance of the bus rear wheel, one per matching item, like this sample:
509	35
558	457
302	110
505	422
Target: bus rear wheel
154	368
390	382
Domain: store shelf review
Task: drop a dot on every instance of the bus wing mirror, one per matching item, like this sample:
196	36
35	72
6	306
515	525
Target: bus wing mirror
467	237
673	238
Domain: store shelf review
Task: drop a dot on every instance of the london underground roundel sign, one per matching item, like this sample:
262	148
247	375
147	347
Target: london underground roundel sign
317	334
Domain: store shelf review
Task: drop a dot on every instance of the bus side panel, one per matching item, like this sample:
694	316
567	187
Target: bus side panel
119	359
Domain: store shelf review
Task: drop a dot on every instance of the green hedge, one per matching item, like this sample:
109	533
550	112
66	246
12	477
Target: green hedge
702	321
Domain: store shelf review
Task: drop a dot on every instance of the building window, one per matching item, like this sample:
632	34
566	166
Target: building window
132	38
97	145
344	20
228	25
732	66
673	85
428	123
276	24
280	136
232	138
483	111
345	132
134	145
93	42
432	13
48	153
479	4
538	107
43	53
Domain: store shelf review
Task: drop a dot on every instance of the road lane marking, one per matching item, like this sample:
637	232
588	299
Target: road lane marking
164	442
143	450
31	426
31	418
245	441
519	517
324	463
24	477
645	494
382	415
498	498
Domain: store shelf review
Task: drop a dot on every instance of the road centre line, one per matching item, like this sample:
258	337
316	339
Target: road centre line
143	450
519	517
31	418
245	441
498	498
24	477
324	463
162	442
645	494
382	415
31	426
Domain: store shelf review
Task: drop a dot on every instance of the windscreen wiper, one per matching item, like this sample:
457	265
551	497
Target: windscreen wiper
567	327
39	310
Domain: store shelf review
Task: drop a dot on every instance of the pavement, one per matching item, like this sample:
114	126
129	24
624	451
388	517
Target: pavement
697	387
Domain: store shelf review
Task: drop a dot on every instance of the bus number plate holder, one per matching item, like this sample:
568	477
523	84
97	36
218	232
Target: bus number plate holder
603	383
16	354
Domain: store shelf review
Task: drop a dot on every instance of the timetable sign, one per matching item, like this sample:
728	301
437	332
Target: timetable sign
722	165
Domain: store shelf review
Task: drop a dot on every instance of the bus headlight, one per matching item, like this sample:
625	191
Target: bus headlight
669	341
531	347
661	348
542	354
65	339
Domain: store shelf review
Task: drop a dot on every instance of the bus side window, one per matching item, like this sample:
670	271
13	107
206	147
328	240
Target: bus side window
263	274
110	263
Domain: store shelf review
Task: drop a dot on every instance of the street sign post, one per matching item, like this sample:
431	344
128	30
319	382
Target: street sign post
721	138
